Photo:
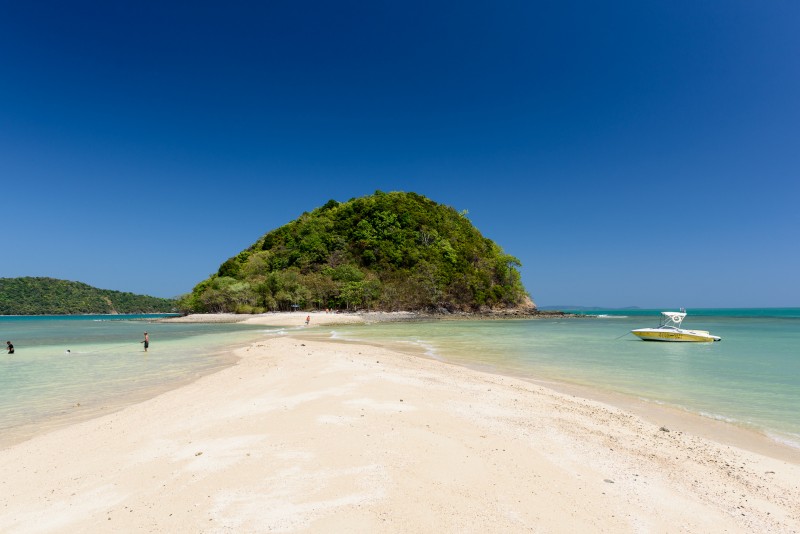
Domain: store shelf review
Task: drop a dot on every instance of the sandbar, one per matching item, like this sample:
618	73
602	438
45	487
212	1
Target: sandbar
316	318
310	435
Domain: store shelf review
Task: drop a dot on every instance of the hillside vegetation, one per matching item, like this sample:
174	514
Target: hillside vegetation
50	296
387	251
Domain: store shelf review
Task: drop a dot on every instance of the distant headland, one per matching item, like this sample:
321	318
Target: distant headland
51	296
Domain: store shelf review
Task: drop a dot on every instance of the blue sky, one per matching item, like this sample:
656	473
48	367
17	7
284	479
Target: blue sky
628	153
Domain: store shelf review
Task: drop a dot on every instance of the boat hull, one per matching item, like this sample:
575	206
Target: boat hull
674	335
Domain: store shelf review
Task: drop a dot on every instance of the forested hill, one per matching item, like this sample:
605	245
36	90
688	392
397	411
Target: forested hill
50	296
387	251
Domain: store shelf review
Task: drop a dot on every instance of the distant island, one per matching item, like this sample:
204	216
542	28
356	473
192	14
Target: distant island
387	251
50	296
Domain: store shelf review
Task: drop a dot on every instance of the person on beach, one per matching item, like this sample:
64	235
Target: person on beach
308	319
10	347
146	341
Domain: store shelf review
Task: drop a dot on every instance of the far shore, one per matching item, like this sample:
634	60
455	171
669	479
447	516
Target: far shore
360	317
292	318
314	435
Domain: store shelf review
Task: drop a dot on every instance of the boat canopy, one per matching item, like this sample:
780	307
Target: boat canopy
675	317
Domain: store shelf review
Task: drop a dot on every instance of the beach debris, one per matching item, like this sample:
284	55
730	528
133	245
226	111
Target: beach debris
664	429
198	453
608	480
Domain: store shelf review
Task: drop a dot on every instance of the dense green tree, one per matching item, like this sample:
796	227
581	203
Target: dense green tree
50	296
390	251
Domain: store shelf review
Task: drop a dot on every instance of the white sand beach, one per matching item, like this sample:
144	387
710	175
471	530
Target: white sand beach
316	318
326	436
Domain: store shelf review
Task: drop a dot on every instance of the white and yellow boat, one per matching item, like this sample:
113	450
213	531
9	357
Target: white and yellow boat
670	330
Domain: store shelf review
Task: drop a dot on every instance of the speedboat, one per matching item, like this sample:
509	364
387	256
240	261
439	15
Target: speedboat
669	329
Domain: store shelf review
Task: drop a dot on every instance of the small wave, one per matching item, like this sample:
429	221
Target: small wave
430	350
336	335
275	332
606	316
788	439
709	415
718	417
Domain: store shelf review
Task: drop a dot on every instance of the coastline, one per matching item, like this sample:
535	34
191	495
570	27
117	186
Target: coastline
328	435
675	418
295	319
334	318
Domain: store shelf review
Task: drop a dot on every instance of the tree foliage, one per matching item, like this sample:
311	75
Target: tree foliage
50	296
387	251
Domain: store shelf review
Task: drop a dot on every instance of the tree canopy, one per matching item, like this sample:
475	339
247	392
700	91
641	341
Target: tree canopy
387	251
50	296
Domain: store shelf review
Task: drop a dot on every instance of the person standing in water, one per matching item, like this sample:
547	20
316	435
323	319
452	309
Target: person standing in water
10	347
146	341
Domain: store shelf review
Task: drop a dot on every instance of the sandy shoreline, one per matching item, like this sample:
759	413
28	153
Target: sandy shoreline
321	436
294	318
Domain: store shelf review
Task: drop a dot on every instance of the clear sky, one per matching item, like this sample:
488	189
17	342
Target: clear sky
632	153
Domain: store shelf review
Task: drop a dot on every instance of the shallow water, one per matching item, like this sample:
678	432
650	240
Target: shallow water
71	368
750	378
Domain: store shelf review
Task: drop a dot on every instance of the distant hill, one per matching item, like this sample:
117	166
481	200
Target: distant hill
50	296
387	251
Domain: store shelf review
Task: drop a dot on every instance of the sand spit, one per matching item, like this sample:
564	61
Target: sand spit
295	318
318	318
319	436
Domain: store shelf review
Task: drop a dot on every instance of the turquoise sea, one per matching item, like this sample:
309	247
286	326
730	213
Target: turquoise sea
751	378
68	368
